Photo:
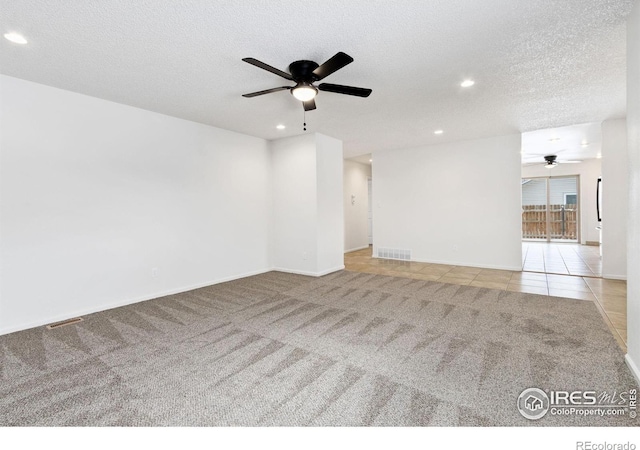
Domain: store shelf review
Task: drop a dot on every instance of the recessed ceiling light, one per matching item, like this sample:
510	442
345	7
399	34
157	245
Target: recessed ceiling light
584	144
554	139
371	160
15	38
438	132
280	127
467	83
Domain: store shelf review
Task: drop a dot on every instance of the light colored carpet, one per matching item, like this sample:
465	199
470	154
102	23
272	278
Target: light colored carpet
280	349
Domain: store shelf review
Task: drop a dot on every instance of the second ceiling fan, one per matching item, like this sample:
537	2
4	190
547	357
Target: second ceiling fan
305	73
550	161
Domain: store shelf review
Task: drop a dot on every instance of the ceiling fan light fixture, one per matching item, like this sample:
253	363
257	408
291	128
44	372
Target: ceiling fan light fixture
304	91
550	165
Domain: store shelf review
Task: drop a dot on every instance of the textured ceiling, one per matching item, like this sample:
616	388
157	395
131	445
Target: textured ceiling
537	63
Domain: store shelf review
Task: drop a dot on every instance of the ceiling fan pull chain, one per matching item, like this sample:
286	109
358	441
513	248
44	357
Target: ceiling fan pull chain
304	117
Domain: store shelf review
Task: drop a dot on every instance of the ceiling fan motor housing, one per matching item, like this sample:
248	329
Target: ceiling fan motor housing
303	71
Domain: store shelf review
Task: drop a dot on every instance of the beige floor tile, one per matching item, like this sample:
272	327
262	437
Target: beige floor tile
530	283
438	273
528	289
570	287
417	267
460	276
581	273
613	296
609	286
529	276
357	266
496	272
619	321
466	270
423	276
614	307
607	298
454	280
435	268
616	334
502	278
442	267
398	268
567	279
571	294
560	267
489	284
375	269
391	273
623	334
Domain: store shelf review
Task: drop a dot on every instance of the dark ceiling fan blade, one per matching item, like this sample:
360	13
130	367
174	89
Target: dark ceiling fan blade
348	90
268	68
268	91
336	62
309	105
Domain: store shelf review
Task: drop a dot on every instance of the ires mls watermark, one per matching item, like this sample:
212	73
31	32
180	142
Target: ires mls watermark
534	403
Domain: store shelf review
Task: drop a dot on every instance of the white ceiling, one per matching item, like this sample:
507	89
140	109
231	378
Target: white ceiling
537	63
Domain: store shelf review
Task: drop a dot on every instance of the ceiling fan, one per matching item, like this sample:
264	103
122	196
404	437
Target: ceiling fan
551	161
304	73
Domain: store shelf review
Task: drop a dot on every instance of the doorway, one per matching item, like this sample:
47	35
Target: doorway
551	209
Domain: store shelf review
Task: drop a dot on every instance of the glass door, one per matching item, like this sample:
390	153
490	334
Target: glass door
534	208
563	208
550	210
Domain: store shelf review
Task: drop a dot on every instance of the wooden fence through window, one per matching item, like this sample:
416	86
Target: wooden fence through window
563	222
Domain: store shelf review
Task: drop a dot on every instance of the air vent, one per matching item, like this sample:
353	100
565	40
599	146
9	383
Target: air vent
394	253
64	323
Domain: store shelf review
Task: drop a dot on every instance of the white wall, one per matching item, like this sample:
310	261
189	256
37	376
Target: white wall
307	215
456	203
356	232
589	171
330	246
96	194
615	195
633	140
294	212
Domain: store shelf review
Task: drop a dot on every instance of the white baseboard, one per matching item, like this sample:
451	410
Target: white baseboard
95	309
356	249
328	271
614	277
308	273
633	367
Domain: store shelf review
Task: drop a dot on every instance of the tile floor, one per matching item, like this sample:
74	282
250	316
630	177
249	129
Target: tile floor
609	296
561	258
